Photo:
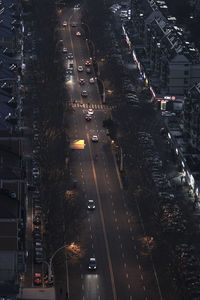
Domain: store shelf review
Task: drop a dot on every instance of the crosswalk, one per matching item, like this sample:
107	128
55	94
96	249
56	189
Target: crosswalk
93	106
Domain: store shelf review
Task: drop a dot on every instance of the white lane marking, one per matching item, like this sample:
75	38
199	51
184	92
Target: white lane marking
83	297
85	196
125	205
88	219
131	229
126	275
82	176
112	203
81	170
81	276
127	212
135	247
91	236
115	219
141	277
144	288
110	196
121	246
106	175
128	220
137	256
82	287
132	238
97	286
123	254
131	297
90	228
124	265
119	237
117	227
99	298
139	267
92	246
129	286
114	212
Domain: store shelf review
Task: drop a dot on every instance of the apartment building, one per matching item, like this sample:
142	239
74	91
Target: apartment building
174	63
192	117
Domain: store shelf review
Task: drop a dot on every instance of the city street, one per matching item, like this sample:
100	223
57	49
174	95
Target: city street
111	233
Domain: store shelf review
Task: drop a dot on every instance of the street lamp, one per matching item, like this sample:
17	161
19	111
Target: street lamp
50	263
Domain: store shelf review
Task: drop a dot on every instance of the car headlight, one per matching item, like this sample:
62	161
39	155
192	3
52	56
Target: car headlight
95	267
89	267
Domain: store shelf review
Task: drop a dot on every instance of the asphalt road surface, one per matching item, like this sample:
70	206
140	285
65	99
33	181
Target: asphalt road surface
110	233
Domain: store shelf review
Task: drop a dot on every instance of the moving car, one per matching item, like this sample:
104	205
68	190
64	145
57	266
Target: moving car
90	111
87	63
95	138
91	204
80	68
92	264
65	23
88	70
81	81
78	33
88	117
84	93
64	50
91	80
69	71
70	55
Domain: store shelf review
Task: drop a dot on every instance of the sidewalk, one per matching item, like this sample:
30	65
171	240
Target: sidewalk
38	294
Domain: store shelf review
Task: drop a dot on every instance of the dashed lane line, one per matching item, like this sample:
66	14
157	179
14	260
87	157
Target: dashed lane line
103	224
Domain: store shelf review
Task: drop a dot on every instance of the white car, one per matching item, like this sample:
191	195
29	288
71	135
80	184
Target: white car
80	68
90	111
64	50
91	80
78	33
95	138
65	23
